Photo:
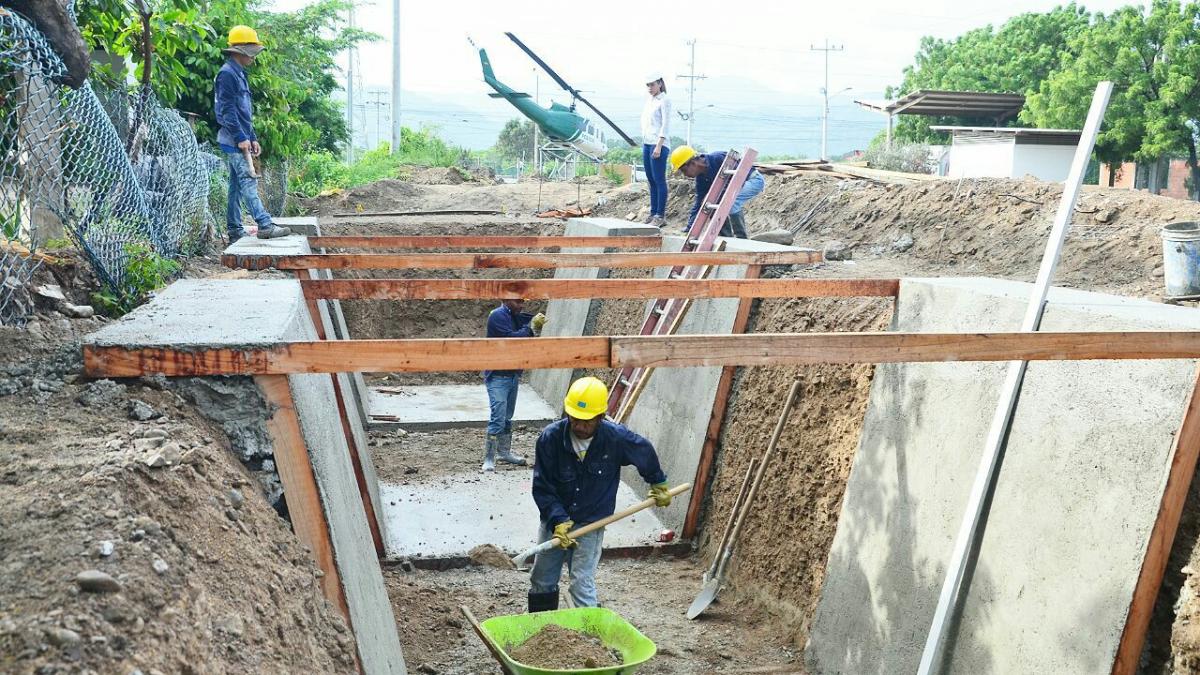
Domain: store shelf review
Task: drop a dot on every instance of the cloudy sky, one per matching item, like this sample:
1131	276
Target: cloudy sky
756	55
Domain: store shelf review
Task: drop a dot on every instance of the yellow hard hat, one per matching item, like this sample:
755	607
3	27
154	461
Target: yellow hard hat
243	35
680	156
587	398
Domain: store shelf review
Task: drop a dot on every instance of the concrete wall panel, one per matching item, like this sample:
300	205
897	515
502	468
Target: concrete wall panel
1078	492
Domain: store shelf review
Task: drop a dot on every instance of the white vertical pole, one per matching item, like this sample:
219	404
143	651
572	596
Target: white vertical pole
537	158
395	76
350	91
691	92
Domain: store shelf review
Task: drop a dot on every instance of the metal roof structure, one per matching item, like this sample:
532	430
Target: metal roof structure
936	103
1019	135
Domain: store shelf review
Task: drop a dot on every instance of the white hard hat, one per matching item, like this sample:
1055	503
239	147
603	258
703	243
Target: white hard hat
653	76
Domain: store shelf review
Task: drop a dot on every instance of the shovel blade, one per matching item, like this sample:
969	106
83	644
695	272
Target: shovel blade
705	598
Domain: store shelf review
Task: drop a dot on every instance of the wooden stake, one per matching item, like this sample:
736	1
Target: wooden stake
300	485
712	435
1184	452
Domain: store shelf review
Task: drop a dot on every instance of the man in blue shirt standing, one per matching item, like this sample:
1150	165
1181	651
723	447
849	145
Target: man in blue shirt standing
704	168
575	479
506	321
236	136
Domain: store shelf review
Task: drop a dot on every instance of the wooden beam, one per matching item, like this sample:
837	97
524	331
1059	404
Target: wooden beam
348	356
381	261
564	289
484	242
773	349
674	351
300	486
1184	453
314	313
712	435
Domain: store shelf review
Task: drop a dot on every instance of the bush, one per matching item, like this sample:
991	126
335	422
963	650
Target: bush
145	271
322	171
907	157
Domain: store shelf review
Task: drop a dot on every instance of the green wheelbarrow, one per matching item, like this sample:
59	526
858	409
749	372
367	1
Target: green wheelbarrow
501	633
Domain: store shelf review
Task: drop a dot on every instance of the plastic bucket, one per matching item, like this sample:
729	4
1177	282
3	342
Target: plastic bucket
1181	259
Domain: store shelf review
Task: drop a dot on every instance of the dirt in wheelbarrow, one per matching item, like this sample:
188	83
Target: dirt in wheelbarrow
564	649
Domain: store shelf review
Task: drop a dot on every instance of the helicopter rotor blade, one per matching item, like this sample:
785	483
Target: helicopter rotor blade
572	90
544	66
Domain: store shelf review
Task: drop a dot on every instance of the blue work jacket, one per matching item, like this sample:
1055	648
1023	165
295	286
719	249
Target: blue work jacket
705	180
584	491
502	323
231	101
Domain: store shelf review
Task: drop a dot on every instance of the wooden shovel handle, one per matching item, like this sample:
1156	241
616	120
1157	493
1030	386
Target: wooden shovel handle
644	504
249	162
487	640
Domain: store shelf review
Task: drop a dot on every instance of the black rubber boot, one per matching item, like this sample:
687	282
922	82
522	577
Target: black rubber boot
543	602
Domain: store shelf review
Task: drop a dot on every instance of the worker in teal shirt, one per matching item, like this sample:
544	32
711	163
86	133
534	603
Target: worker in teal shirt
506	321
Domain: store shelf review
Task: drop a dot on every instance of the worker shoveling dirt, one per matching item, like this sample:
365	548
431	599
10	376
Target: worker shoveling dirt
561	648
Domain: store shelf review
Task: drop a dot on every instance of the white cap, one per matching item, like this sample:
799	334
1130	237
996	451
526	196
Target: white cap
653	76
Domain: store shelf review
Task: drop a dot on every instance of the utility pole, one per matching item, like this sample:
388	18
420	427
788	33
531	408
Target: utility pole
537	92
395	76
350	91
691	77
825	92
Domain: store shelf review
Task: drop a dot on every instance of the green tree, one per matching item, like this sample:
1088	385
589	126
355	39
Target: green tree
291	82
1153	60
516	140
1016	58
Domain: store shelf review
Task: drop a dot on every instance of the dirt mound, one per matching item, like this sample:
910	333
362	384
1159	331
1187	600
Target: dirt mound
489	555
188	568
383	195
439	175
561	648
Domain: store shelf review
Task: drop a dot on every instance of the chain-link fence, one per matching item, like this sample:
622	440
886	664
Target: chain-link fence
117	174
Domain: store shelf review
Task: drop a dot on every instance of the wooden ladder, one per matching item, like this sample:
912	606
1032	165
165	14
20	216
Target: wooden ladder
667	313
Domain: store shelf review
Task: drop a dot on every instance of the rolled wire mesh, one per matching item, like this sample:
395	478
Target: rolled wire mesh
117	174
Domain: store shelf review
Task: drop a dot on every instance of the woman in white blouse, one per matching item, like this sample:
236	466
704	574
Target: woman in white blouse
656	120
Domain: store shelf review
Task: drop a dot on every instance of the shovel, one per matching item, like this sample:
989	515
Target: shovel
713	582
733	511
592	527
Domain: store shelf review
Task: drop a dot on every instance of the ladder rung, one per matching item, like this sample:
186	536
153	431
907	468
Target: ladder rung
729	172
624	381
712	206
660	310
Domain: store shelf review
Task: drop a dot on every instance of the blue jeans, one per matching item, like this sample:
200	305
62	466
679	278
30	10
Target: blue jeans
582	561
754	185
502	399
656	176
242	188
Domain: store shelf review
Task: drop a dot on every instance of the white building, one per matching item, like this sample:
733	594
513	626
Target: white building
1009	152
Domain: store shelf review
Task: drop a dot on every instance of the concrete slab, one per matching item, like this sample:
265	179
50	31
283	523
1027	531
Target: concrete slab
449	516
1084	469
448	406
295	244
212	312
570	318
307	226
